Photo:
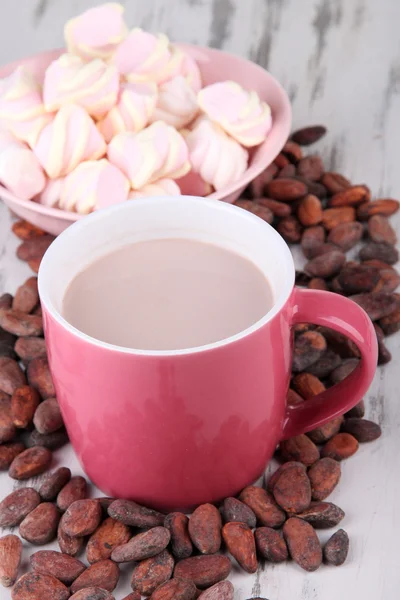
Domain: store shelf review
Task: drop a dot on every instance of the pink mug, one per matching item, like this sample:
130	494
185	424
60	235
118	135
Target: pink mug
172	429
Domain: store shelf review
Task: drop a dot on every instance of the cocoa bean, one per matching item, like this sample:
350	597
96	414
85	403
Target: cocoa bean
307	385
362	429
312	239
29	348
299	448
220	591
384	356
34	264
324	476
110	535
384	206
351	196
292	489
24	402
270	484
281	161
175	589
205	528
325	432
346	235
17	505
340	343
20	324
354	279
7	351
380	251
308	348
36	586
388	282
132	596
308	135
285	189
6	301
279	209
322	515
34	247
261	211
357	411
54	483
52	441
67	544
343	370
290	229
332	217
10	559
181	544
81	518
40	526
135	515
75	489
292	151
309	211
317	283
334	182
30	462
7	427
152	572
301	279
235	511
239	540
293	398
263	505
27	296
303	544
377	304
93	593
11	376
325	365
25	231
47	418
391	323
325	265
311	167
287	171
204	571
336	548
380	230
271	545
257	186
142	546
63	567
341	446
8	452
325	249
105	503
39	377
103	574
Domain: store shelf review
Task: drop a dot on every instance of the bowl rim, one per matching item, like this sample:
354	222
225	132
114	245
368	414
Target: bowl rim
251	172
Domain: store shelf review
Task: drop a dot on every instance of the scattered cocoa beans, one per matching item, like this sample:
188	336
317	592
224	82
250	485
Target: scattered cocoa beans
34	586
40	526
383	206
8	452
292	489
324	476
322	515
308	348
263	505
205	528
67	544
322	434
332	217
307	385
303	544
324	366
271	544
355	278
103	574
299	448
351	196
111	534
75	489
27	296
308	135
311	240
325	265
391	323
81	518
233	510
346	235
47	418
341	446
362	429
11	376
378	250
336	548
311	167
175	589
286	190
135	515
279	209
181	544
24	403
220	591
39	377
63	567
17	505
290	229
29	348
20	324
152	572
30	462
52	441
34	247
205	570
7	427
239	540
260	210
25	231
10	559
142	546
54	483
93	593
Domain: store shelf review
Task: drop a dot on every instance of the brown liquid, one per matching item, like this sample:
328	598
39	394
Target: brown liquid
167	294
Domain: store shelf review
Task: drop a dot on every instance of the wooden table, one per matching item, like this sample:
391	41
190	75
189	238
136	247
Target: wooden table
340	63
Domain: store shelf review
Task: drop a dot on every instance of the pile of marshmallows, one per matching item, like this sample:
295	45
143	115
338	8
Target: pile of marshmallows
122	115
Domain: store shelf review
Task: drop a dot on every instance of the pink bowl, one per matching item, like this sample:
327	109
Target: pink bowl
214	66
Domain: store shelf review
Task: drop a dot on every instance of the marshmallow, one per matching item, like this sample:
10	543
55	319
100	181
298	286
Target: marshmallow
218	158
240	113
192	184
21	107
20	171
93	85
191	72
97	32
50	196
72	137
162	187
176	104
157	152
143	56
93	185
135	106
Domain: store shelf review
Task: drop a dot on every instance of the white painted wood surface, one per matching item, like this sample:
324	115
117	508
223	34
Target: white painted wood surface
339	60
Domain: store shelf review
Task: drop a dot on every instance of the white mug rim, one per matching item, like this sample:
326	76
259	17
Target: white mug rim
279	302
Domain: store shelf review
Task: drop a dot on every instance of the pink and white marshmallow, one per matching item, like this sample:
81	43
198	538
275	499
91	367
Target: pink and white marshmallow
21	107
162	187
51	194
72	137
135	106
176	104
239	112
215	156
191	72
192	184
157	152
93	85
93	185
20	171
97	32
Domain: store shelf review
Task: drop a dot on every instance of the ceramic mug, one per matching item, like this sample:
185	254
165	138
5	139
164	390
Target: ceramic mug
172	429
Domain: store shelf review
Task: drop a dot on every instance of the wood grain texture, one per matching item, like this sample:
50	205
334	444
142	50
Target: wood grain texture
339	60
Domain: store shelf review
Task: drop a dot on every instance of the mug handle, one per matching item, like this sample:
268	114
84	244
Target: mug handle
346	317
